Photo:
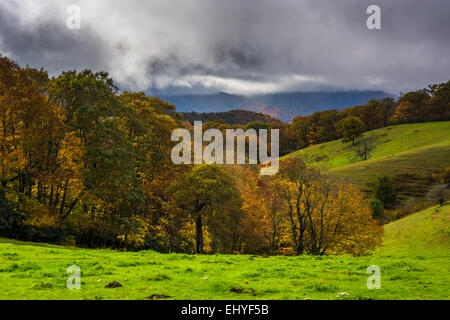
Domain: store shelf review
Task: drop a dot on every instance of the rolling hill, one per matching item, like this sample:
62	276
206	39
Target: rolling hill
408	153
425	233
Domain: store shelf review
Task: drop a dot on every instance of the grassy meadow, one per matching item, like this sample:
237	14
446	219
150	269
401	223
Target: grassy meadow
414	262
387	142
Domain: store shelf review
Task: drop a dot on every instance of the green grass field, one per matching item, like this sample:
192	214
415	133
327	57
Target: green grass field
408	153
387	142
414	263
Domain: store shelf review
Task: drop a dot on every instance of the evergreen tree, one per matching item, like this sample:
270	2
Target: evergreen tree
384	191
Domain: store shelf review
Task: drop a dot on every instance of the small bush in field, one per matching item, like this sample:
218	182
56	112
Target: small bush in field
384	191
377	209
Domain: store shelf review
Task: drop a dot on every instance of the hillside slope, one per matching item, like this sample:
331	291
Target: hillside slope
385	142
425	233
408	153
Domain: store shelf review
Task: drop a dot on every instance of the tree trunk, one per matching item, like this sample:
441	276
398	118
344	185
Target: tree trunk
199	234
50	203
301	245
365	151
39	191
63	201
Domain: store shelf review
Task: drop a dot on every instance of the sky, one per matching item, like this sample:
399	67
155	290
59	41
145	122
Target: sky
237	46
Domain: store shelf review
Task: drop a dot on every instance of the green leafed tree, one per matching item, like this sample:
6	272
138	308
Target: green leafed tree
203	191
377	209
384	191
350	128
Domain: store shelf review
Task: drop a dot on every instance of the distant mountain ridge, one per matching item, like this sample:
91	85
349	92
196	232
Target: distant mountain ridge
234	117
284	106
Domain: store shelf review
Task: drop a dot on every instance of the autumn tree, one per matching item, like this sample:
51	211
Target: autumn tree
275	194
16	98
385	109
326	215
93	112
300	126
406	112
326	125
255	224
411	107
36	146
438	107
350	128
367	113
203	191
295	194
344	224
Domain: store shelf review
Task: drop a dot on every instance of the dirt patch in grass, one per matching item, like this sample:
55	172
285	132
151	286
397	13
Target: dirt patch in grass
113	284
158	296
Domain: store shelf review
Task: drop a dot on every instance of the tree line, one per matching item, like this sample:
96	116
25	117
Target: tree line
425	105
431	104
232	117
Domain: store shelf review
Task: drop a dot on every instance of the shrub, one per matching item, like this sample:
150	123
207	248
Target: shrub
377	209
443	177
385	192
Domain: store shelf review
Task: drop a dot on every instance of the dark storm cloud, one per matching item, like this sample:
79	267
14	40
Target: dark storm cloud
46	43
245	46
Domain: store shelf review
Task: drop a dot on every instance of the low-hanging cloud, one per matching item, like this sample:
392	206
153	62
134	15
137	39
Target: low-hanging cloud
238	46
